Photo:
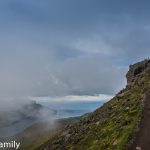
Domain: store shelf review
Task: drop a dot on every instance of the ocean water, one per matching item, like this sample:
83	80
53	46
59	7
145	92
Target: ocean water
63	109
72	109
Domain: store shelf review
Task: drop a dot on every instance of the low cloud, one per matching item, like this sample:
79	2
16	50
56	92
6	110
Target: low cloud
74	98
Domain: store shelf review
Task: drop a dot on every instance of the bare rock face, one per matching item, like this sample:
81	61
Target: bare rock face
136	70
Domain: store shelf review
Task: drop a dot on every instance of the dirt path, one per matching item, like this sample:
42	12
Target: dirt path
142	138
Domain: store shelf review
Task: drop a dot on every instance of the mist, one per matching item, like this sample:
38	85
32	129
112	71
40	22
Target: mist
64	49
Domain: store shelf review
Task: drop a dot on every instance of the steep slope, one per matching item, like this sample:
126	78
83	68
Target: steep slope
33	137
112	126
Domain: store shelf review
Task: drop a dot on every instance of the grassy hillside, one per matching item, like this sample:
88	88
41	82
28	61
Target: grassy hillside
37	134
109	127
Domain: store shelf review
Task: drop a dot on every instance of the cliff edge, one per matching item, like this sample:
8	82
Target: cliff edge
136	70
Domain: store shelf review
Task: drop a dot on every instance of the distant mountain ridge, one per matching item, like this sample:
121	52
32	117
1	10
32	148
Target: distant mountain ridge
115	125
30	110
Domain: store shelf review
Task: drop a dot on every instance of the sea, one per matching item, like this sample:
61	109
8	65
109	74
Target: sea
72	109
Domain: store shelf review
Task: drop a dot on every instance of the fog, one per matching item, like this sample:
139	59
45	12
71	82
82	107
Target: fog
60	48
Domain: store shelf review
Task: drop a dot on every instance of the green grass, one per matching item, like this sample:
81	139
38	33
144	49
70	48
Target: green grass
34	136
35	142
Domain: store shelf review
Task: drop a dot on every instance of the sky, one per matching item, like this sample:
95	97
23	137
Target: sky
70	47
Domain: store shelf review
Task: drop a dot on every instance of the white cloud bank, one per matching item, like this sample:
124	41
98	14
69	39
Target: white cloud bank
74	98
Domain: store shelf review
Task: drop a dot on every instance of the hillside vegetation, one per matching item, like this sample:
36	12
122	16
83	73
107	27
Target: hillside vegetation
111	126
37	134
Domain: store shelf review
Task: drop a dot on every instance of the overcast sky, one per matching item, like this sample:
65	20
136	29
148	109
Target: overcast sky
70	47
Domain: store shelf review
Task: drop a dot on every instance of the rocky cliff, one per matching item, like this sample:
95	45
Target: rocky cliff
115	125
136	70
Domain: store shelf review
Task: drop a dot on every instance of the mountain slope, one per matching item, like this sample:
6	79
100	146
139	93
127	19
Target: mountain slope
33	137
113	125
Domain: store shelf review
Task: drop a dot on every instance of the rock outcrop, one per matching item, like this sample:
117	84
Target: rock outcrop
136	70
